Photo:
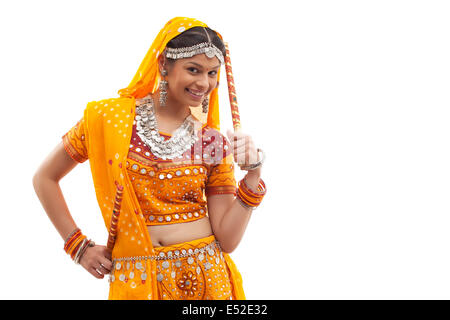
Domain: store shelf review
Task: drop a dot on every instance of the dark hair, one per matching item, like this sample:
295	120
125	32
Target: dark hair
195	36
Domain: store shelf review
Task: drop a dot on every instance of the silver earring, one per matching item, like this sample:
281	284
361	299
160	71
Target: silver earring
163	89
205	104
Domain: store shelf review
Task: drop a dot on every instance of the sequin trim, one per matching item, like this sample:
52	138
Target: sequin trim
155	219
170	255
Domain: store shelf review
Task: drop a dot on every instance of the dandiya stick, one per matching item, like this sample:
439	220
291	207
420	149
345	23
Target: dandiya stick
115	218
232	91
232	94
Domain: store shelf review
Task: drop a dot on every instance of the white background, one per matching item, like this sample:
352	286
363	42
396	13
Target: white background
349	100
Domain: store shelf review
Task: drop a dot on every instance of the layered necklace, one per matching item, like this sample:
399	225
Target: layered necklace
146	128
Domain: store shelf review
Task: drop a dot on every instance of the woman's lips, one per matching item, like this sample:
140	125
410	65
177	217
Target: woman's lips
196	95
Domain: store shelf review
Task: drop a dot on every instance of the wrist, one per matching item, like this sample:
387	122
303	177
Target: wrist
255	173
252	179
76	244
257	165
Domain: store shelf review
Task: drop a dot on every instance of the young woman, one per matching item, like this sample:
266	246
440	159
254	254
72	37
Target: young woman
164	180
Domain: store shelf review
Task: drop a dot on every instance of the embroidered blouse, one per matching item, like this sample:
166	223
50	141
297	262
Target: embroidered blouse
171	191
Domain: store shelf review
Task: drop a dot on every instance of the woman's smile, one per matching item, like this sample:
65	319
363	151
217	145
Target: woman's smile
196	95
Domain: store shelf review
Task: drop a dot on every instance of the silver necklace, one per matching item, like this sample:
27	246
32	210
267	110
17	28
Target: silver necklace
146	128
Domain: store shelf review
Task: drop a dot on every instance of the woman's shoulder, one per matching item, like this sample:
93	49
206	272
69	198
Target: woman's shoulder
100	112
110	103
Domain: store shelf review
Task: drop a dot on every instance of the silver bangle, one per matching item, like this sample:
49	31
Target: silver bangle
89	244
78	254
257	164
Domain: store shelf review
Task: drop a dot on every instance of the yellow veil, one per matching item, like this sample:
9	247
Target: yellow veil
147	77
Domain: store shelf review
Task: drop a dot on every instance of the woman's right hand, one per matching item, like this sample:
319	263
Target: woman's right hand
97	260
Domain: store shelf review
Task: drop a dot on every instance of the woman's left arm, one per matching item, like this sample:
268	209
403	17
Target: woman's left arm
229	218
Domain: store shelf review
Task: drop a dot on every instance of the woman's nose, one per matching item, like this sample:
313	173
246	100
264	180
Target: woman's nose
203	82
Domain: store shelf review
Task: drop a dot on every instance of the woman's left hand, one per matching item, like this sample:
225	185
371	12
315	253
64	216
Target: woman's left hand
244	150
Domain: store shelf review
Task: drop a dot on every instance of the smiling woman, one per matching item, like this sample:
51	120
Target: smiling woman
164	180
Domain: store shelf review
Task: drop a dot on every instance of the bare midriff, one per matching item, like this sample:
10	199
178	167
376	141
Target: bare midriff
169	234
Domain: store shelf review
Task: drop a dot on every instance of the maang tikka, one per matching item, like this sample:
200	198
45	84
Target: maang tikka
163	89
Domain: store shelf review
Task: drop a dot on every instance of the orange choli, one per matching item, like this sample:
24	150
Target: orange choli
171	191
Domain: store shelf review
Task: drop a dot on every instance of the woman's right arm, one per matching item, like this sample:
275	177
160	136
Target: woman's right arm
46	184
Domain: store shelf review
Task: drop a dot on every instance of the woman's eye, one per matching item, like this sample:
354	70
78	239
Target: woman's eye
213	73
193	70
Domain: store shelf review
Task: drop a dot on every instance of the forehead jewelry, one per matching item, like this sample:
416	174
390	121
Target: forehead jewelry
208	48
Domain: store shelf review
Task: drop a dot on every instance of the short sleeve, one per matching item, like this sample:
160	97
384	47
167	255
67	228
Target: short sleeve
75	142
221	178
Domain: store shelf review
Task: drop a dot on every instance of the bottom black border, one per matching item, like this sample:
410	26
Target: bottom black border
245	309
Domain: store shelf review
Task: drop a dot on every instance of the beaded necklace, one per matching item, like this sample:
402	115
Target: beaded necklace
146	128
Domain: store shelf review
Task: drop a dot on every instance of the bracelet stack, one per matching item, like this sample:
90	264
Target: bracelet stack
247	197
76	245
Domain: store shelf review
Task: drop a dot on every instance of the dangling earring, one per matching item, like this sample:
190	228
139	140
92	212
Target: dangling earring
205	104
163	89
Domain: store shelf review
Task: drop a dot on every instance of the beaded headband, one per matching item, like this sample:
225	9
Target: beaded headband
208	48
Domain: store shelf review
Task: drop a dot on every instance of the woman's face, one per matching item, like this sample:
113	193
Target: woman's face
190	80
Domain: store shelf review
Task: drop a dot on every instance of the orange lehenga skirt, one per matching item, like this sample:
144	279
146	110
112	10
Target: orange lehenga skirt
193	270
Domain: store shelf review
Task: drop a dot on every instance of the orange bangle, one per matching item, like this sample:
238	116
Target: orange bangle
247	196
70	241
75	249
71	251
261	188
71	235
73	242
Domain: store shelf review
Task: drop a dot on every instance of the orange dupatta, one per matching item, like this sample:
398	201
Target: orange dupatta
109	127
